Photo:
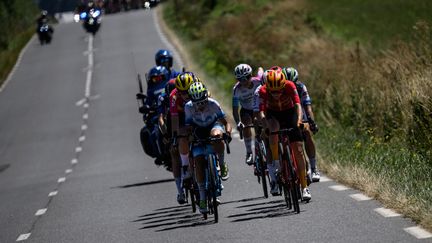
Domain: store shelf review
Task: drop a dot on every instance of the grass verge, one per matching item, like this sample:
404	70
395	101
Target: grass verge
9	57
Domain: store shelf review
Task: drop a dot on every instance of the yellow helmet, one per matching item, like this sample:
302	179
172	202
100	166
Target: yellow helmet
274	79
184	80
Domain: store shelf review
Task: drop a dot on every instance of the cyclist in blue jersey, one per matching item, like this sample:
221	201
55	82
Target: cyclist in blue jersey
308	118
205	117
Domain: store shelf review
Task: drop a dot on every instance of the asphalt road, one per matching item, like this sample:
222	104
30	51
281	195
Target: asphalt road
72	168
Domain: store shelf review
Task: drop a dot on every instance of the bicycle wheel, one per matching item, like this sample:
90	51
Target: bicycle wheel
261	158
293	182
212	190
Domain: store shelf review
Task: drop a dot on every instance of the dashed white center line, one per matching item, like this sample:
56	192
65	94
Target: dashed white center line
68	171
84	127
82	138
86	105
418	232
85	116
339	187
41	212
360	197
74	161
385	212
78	149
61	179
52	194
23	237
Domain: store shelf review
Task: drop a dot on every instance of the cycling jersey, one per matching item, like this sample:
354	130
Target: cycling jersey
285	101
256	99
203	118
177	102
304	98
154	90
244	96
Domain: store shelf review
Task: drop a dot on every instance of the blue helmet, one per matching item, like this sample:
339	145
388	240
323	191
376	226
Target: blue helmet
164	58
158	74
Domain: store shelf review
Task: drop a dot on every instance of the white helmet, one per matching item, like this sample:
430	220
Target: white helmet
242	71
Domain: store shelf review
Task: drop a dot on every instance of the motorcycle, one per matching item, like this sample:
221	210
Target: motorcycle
150	135
92	20
45	33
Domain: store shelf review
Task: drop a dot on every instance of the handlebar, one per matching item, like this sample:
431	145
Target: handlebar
225	137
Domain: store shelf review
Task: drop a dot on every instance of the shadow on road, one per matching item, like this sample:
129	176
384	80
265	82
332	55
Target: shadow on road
171	218
146	183
4	167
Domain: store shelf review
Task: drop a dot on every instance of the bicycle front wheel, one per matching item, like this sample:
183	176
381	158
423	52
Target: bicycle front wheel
212	190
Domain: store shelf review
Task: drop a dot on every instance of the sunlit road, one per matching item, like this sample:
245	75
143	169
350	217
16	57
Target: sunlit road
72	168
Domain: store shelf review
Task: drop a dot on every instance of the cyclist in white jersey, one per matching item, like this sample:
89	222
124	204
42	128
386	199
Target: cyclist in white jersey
205	116
243	98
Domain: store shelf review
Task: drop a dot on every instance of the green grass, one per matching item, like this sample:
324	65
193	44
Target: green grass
375	23
8	57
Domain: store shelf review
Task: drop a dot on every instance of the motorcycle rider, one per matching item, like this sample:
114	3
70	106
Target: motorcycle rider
157	78
164	58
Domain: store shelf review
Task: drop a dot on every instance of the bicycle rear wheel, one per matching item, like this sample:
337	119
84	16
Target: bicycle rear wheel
212	190
293	183
261	164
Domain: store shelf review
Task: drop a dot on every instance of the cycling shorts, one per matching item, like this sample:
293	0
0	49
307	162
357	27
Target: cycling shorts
287	119
204	132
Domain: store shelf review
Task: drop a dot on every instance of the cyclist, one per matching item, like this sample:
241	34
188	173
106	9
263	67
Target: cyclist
177	100
165	58
205	117
308	118
280	107
243	95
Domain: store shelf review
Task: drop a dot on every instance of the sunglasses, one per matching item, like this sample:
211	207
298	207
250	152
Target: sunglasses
200	103
244	79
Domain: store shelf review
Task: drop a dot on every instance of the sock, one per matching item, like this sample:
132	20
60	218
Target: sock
248	144
184	159
178	185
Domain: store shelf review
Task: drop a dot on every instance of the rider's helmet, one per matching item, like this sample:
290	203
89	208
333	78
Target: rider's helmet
290	74
158	74
276	68
198	92
184	81
44	13
243	72
274	79
164	58
90	4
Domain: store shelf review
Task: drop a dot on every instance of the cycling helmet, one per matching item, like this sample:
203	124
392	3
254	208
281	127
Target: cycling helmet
184	80
198	92
290	74
242	71
275	79
44	13
158	74
164	57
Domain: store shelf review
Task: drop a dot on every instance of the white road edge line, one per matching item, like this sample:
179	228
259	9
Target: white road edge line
52	194
61	179
360	197
41	212
418	232
325	179
387	213
17	63
338	188
177	57
23	237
